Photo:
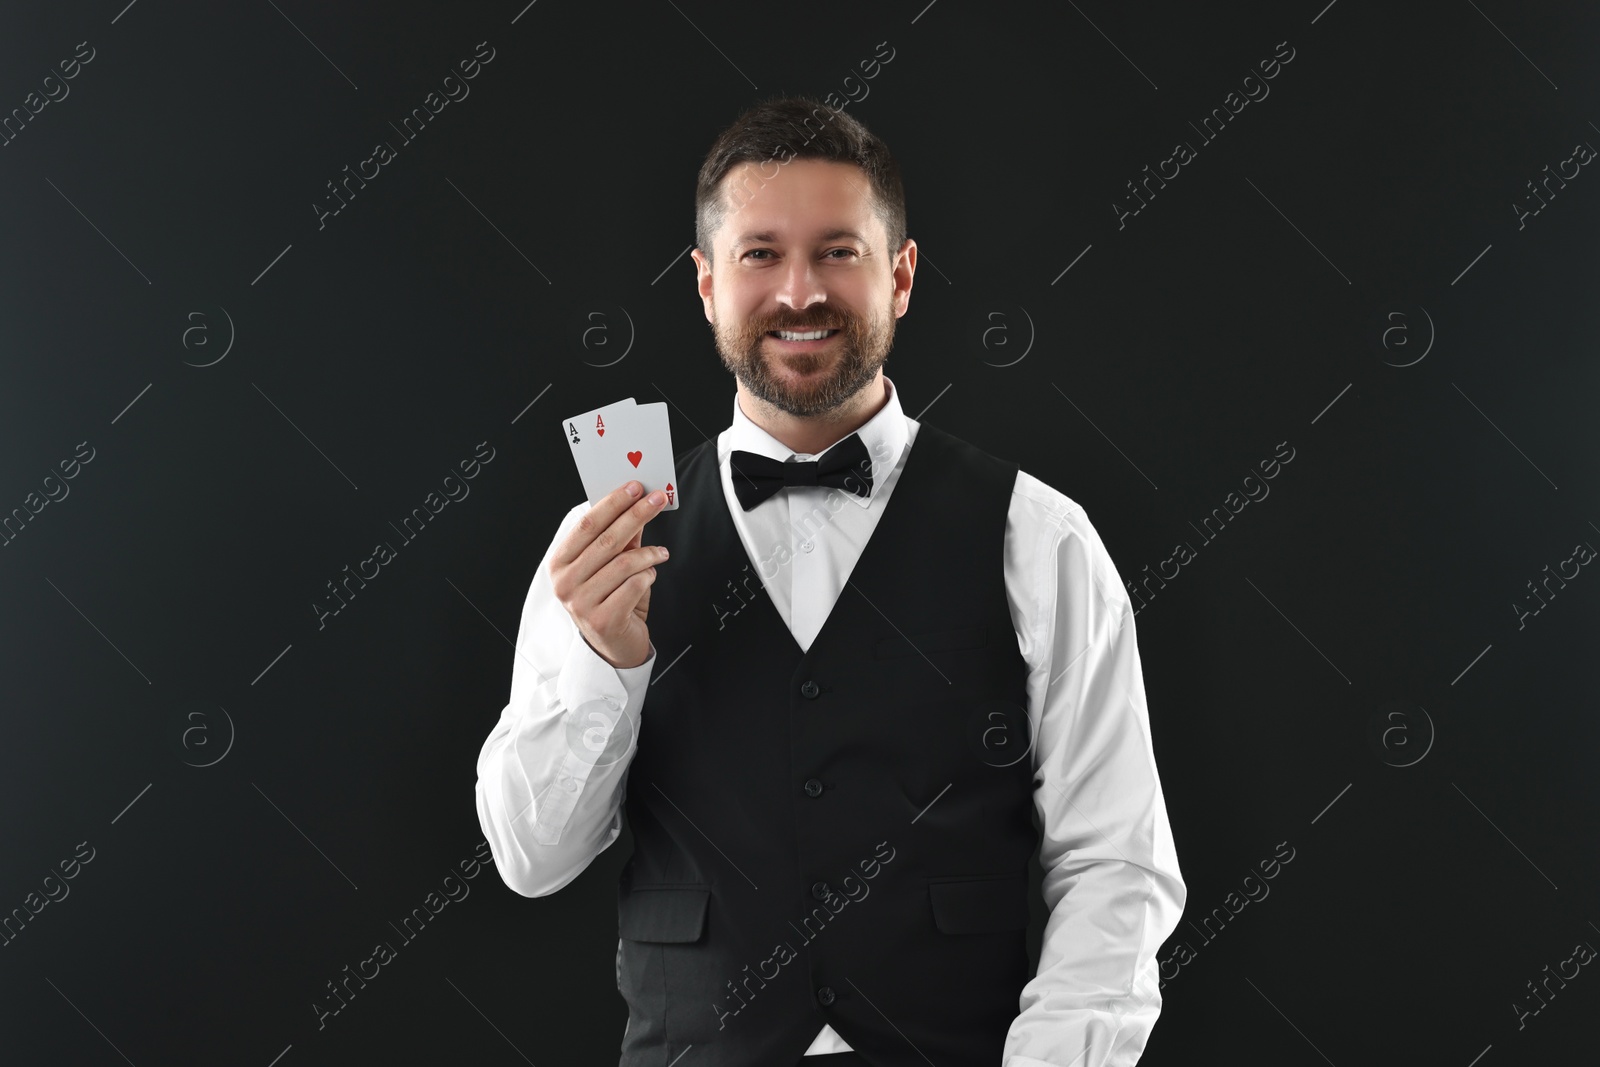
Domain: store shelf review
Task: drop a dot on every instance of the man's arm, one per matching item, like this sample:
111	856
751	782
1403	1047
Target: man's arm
1111	878
552	773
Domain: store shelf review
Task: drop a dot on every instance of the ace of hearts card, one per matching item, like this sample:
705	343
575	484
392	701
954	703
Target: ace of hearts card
619	442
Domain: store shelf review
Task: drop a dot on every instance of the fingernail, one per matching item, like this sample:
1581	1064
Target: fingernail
658	497
633	488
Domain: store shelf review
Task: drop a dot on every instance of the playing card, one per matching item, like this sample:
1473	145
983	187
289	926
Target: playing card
594	446
620	442
649	439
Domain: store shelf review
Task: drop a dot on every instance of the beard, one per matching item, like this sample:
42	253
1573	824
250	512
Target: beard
853	357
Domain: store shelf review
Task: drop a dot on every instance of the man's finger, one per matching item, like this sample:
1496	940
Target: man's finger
601	516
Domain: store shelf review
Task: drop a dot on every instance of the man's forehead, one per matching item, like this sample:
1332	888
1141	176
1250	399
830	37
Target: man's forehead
806	199
778	233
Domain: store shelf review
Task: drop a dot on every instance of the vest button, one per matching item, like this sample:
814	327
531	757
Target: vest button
820	890
825	995
813	787
810	689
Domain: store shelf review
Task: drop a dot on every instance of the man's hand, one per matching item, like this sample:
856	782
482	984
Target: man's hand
602	574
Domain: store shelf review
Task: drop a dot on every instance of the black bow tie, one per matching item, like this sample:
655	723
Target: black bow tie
845	466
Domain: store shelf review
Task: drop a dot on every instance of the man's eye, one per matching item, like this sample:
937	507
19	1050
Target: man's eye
831	251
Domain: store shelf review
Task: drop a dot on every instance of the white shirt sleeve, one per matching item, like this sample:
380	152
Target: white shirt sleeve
1111	878
552	773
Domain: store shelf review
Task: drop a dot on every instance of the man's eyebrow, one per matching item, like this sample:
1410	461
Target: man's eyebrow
768	235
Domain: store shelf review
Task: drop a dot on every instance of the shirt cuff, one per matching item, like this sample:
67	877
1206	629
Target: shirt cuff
586	676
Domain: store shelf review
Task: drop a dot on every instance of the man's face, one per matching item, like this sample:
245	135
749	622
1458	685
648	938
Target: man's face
802	250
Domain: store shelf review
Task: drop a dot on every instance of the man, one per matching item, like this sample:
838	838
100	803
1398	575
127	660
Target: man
831	718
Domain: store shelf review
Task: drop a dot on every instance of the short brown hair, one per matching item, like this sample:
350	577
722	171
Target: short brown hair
798	127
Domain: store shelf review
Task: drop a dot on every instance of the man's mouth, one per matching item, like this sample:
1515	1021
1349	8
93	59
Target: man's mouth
802	337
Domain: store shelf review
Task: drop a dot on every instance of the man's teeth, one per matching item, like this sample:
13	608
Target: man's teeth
809	335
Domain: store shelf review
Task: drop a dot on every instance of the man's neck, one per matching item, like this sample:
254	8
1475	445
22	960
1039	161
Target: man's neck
811	436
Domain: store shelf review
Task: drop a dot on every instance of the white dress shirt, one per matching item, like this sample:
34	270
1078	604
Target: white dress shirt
1111	878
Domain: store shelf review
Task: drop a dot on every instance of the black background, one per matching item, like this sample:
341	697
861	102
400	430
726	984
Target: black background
1443	854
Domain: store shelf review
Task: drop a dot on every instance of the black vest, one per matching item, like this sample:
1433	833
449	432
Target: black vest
841	835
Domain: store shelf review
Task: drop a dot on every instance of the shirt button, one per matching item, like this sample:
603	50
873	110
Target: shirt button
612	704
825	995
569	784
813	787
810	689
806	546
820	890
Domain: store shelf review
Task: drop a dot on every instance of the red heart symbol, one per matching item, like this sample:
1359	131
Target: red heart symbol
635	457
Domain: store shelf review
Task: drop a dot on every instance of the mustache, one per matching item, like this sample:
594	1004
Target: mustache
816	323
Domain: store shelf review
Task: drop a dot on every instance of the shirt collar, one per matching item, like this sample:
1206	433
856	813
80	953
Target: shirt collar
885	435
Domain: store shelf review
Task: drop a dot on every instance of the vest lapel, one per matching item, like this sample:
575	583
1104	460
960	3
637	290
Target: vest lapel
888	536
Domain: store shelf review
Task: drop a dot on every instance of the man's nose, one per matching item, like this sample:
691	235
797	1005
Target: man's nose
800	286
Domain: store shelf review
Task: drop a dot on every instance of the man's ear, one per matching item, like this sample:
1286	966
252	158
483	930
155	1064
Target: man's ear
905	267
702	265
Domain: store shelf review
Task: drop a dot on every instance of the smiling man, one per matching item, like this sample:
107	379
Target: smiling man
925	674
814	274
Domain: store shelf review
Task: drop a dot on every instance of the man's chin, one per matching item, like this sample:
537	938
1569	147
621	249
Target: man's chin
805	370
791	393
792	382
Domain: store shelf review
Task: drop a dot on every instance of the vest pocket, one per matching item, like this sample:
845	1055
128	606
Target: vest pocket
985	904
933	641
663	913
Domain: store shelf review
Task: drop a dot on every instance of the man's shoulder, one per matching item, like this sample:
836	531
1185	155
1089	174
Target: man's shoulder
1040	496
964	453
701	452
1029	494
1066	526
